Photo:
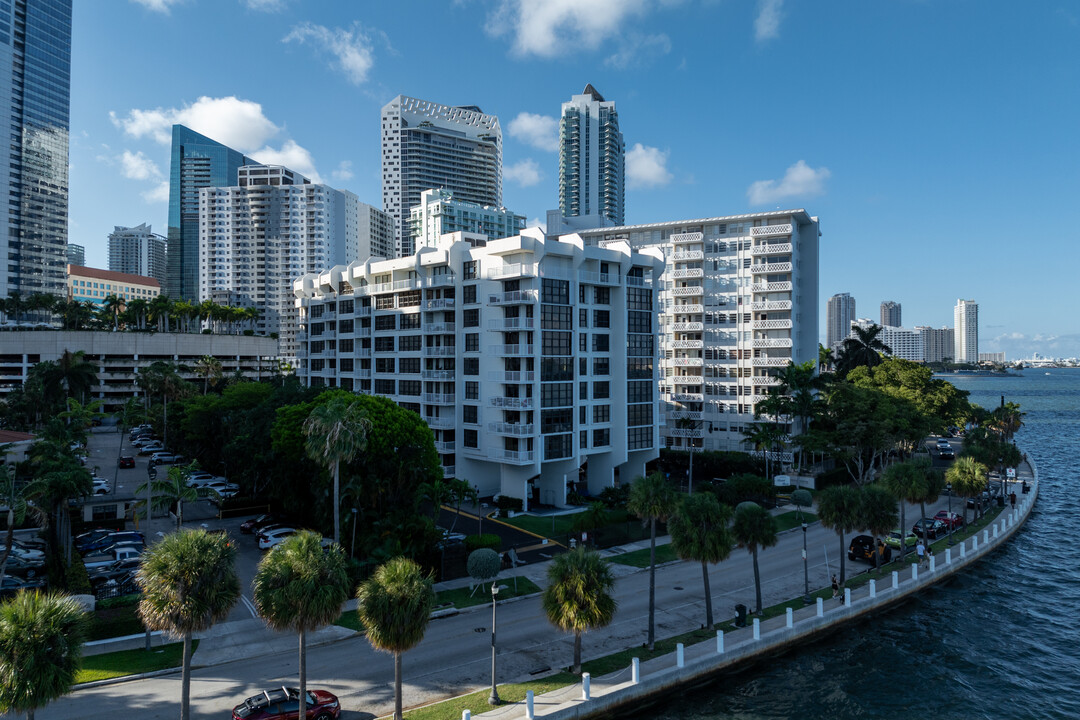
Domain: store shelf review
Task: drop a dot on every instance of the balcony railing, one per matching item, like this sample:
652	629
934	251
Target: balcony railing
440	327
437	374
510	324
512	271
687	273
772	249
498	401
439	281
511	350
596	278
770	362
444	447
765	380
686	362
771	343
784	267
687	344
513	297
772	324
686	379
682	238
688	327
514	429
438	398
687	255
687	291
439	423
770	230
771	287
685	415
449	471
771	305
438	303
515	457
512	376
687	397
440	351
685	432
688	309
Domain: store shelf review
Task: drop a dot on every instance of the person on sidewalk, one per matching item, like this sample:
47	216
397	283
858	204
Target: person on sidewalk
835	587
1012	499
929	554
920	551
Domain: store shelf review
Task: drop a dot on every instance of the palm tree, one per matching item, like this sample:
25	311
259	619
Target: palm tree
112	305
17	510
189	582
173	489
73	375
862	349
14	306
128	414
394	606
825	358
699	531
932	484
763	436
81	417
651	499
300	587
968	478
754	528
160	307
58	478
578	596
877	514
41	637
336	432
905	483
139	308
209	367
838	510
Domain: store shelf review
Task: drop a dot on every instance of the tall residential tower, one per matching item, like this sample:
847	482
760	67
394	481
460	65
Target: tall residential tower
137	251
591	167
839	314
966	332
890	314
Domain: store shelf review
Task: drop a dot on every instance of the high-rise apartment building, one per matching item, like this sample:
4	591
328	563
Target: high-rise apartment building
903	343
428	146
890	314
439	213
139	251
738	299
592	176
35	99
259	236
966	332
76	254
532	360
372	231
197	162
839	314
938	344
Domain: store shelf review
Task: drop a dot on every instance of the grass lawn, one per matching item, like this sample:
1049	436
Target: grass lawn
789	520
477	701
557	525
131	662
640	558
349	620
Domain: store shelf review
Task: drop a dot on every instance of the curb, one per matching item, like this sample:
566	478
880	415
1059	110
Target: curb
127	678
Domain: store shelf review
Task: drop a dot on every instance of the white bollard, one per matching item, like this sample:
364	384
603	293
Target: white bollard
995	531
530	709
914	571
895	579
585	679
963	549
948	556
986	536
847	597
635	670
680	655
873	588
466	715
757	629
820	607
719	642
790	618
933	563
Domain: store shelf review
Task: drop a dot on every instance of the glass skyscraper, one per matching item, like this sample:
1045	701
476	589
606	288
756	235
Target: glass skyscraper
197	162
35	98
591	159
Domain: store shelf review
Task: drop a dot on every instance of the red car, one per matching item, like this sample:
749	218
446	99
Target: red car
284	703
951	520
126	461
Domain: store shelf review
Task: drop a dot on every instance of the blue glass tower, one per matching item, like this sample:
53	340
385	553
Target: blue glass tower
35	99
197	162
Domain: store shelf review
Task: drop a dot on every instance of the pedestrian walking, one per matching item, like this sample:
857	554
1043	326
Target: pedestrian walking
929	554
835	587
1012	499
920	551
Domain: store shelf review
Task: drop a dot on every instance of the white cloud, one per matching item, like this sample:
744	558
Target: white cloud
767	22
351	49
265	5
799	181
159	193
637	50
343	171
525	173
161	6
540	131
229	120
646	167
137	166
292	156
537	223
548	28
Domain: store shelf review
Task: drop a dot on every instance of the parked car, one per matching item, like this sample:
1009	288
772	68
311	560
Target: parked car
126	461
114	570
102	540
259	522
12	585
933	528
951	520
24	568
942	443
165	458
893	539
946	453
91	536
151	449
29	554
275	537
282	703
222	489
113	554
863	547
101	486
142	440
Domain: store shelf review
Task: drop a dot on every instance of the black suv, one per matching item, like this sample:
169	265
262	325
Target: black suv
862	548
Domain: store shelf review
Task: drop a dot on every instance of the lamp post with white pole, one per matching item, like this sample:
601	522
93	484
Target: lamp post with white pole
493	698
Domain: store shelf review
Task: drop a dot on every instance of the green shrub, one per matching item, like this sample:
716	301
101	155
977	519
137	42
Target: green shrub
614	497
505	502
575	498
77	581
117	602
249	332
487	540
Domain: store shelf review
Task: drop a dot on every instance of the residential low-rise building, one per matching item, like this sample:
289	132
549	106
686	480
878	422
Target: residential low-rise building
94	284
440	214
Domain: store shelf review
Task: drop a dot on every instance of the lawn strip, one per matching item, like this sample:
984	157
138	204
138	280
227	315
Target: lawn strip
640	558
477	701
131	662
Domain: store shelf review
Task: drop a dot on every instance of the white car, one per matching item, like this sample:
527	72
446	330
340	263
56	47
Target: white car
101	486
27	554
275	537
143	441
222	488
200	478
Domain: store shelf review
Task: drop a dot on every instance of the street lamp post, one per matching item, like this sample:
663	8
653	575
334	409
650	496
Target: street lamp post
493	698
805	569
948	490
352	545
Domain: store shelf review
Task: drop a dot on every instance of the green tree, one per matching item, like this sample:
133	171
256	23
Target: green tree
80	417
755	529
173	490
877	514
578	596
299	586
906	483
394	606
72	375
764	436
18	509
862	348
838	510
208	368
651	499
932	485
41	637
968	479
336	432
189	582
111	307
58	478
825	358
699	531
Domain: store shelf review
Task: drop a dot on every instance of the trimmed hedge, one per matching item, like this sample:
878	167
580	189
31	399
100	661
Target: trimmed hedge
487	540
120	601
76	579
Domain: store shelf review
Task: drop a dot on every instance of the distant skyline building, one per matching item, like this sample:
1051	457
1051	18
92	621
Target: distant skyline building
938	344
439	213
428	146
94	285
904	343
76	254
197	162
994	357
890	314
592	177
138	251
35	101
966	327
839	314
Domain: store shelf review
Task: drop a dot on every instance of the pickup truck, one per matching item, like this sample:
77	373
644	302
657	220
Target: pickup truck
121	552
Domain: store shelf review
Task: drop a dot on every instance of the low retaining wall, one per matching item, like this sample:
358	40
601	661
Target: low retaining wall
636	685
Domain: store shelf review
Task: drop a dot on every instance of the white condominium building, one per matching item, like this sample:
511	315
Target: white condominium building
905	343
440	214
738	301
532	360
839	314
255	239
966	332
138	251
372	232
427	146
937	343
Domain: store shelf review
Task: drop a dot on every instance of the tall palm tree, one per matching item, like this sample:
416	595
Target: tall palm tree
968	478
58	477
18	509
112	305
905	482
173	489
139	308
14	306
128	414
300	587
189	582
877	515
80	417
336	432
209	367
932	485
73	375
160	307
578	596
838	510
863	349
394	606
755	529
699	531
764	437
41	637
652	499
41	303
825	358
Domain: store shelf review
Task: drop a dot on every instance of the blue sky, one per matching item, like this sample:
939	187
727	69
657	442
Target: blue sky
935	139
